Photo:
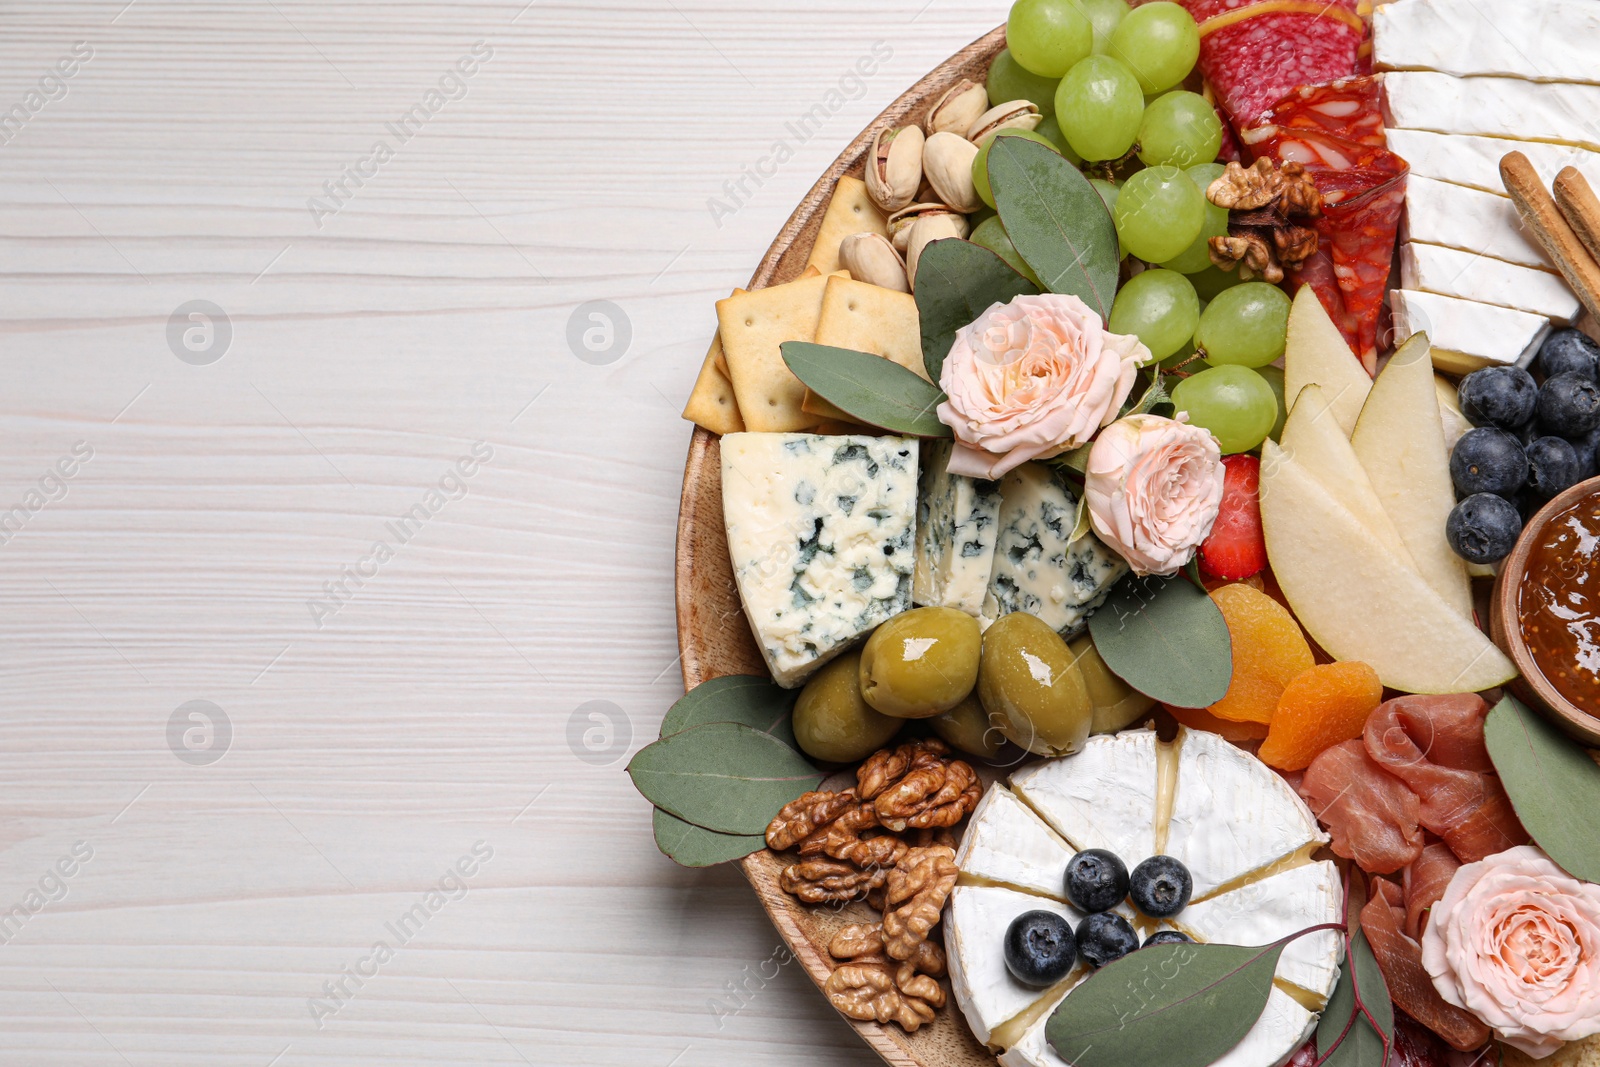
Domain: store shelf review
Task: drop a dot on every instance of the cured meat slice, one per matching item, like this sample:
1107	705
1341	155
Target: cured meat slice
1254	51
1410	987
1425	882
1370	814
1434	744
1417	1046
1350	108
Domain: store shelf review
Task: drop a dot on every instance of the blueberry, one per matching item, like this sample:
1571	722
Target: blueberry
1160	887
1587	448
1488	460
1105	937
1096	880
1040	948
1569	352
1553	465
1569	405
1483	528
1167	937
1498	396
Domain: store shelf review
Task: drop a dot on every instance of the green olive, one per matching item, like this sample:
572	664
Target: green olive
921	662
831	721
1116	703
1031	681
967	727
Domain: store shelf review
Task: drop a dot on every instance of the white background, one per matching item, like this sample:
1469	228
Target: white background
370	348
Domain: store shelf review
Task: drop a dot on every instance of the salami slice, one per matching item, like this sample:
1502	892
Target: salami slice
1255	51
1350	108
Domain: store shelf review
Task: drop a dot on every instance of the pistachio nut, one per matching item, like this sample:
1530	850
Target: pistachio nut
901	221
928	228
894	167
871	258
958	108
1015	114
947	160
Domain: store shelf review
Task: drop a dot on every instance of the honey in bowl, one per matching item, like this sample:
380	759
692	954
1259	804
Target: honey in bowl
1558	605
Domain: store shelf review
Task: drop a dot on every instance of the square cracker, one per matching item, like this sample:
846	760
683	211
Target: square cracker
712	404
850	211
867	318
753	326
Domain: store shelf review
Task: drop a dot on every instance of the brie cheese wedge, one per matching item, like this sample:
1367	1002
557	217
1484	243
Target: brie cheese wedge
1493	107
1438	213
1466	335
1552	40
974	943
1475	161
1007	844
1449	272
1103	797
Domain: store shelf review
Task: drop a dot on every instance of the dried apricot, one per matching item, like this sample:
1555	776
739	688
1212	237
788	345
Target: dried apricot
1327	705
1201	719
1269	651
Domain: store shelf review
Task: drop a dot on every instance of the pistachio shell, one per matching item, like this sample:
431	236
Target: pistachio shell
947	160
927	229
958	108
1014	114
894	167
871	258
901	221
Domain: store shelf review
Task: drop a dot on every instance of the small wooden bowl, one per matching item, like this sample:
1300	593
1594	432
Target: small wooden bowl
1506	629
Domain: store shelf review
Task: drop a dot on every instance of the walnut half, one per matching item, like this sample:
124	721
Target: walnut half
886	992
916	891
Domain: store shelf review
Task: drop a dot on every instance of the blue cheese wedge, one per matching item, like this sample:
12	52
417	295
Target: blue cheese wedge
1475	161
1438	213
1038	568
1466	335
820	532
1468	276
1552	40
957	520
1492	107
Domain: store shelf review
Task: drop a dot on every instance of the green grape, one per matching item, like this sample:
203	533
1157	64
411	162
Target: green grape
1108	192
1104	16
1050	130
1274	377
991	234
980	162
1159	306
1182	358
1203	174
1008	81
1235	403
1181	129
1246	325
1048	36
1099	106
1213	280
1197	257
1159	213
1160	42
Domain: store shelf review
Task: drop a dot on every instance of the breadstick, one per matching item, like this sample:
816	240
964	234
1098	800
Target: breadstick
1539	212
1578	204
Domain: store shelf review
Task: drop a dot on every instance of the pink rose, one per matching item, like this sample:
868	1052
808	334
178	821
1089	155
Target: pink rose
1154	486
1033	379
1516	941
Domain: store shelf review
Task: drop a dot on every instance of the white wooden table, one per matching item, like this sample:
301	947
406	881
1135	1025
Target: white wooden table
193	498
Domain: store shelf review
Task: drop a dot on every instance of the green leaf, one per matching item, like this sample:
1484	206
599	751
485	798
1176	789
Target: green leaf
1153	397
1180	1005
1056	220
722	776
692	846
1081	524
1362	1045
1165	638
1077	460
1553	783
956	282
759	703
868	388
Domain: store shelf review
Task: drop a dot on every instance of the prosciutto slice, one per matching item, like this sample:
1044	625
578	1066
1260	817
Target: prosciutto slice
1371	815
1400	959
1425	882
1434	744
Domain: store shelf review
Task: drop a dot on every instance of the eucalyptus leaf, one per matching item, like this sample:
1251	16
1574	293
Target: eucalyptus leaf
956	282
722	776
693	846
1165	638
1553	784
868	388
1081	524
758	702
1056	220
1362	1046
1180	1005
1077	460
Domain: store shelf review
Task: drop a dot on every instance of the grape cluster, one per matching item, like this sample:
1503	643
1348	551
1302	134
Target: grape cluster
1530	441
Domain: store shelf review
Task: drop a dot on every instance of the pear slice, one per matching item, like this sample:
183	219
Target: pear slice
1316	353
1312	437
1399	439
1358	599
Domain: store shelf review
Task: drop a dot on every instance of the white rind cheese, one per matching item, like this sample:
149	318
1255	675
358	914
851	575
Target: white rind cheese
1450	272
1438	213
1466	335
1493	107
1551	40
1475	161
1037	567
1103	797
974	944
1266	911
1231	814
957	521
820	533
1006	842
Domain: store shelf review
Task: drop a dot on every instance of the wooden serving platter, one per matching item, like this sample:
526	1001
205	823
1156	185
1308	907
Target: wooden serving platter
713	636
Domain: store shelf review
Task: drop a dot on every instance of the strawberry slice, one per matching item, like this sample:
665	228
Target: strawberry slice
1235	548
